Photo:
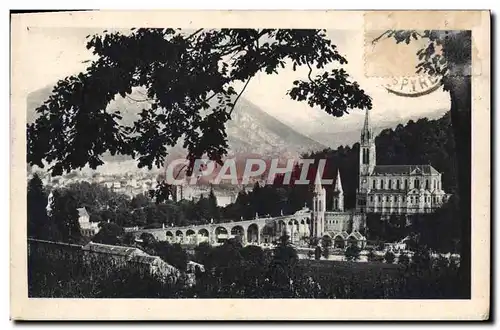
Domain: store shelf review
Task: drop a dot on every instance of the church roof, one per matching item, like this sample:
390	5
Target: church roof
82	212
357	235
342	234
404	169
388	191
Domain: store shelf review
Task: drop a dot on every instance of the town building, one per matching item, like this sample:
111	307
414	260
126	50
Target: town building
87	228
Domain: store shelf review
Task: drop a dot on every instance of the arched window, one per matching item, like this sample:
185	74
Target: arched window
427	184
416	184
398	184
382	184
406	184
371	198
374	184
390	184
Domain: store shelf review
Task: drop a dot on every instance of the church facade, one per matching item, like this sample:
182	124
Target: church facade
340	225
395	189
382	189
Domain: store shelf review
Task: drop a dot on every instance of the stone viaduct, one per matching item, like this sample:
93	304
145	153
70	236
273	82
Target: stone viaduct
256	231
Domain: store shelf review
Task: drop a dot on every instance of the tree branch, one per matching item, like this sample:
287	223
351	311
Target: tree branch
239	95
374	41
194	33
135	100
310	72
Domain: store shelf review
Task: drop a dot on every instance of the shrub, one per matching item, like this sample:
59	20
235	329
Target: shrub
317	253
389	257
403	259
371	255
352	252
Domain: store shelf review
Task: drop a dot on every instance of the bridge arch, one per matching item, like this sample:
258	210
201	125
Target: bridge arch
203	235
268	233
221	234
238	232
179	235
280	227
294	230
253	233
190	236
169	236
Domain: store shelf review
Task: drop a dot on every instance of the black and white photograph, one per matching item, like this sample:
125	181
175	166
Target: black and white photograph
190	162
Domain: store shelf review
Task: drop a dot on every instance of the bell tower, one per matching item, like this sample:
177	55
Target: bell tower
319	208
367	152
338	195
367	162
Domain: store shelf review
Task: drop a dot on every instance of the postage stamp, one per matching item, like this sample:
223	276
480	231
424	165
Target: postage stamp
321	162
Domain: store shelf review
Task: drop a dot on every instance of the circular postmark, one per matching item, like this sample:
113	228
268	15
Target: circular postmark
414	86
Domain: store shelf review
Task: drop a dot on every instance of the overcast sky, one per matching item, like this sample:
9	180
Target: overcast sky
60	52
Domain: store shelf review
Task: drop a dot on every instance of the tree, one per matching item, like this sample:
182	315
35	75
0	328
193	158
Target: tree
173	254
352	252
65	216
128	239
326	242
389	257
421	259
452	64
371	256
202	254
39	224
213	209
203	209
317	253
404	259
202	68
285	254
140	201
109	233
148	239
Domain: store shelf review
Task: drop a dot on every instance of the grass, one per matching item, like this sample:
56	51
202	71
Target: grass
375	280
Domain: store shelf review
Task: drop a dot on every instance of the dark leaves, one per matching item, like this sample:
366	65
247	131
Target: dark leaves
332	92
182	76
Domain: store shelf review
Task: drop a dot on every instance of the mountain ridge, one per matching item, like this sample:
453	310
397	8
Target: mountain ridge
250	131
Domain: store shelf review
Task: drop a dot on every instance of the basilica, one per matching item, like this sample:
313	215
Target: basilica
382	189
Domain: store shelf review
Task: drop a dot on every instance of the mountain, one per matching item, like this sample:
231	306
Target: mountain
335	132
251	131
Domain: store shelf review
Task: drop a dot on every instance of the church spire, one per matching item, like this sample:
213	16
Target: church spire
317	183
338	183
366	133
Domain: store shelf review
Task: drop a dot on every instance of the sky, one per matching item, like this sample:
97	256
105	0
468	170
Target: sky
58	53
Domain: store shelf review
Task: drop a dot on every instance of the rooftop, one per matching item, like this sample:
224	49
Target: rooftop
112	249
404	169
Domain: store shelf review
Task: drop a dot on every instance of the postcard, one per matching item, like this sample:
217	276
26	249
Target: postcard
250	165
